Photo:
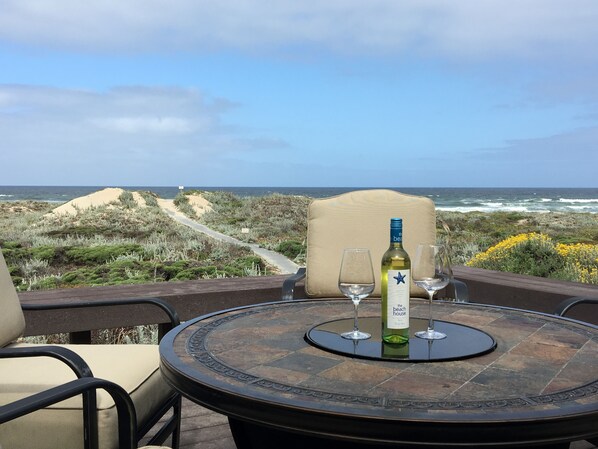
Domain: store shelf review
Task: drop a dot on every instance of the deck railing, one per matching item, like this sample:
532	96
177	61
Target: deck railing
194	298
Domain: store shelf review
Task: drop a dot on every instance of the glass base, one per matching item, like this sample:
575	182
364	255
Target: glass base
430	335
355	335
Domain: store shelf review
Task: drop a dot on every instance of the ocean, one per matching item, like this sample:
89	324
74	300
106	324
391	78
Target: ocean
448	199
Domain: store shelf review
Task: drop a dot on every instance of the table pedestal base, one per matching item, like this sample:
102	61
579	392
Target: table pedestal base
253	436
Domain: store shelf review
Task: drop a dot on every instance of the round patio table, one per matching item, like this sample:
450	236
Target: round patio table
538	387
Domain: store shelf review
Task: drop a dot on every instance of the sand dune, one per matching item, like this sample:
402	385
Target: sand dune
112	194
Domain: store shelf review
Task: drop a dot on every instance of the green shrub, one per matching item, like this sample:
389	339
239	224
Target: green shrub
127	200
46	283
181	201
44	253
150	198
291	248
101	253
190	274
8	245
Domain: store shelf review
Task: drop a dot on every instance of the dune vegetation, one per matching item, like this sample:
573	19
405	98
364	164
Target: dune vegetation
117	243
122	242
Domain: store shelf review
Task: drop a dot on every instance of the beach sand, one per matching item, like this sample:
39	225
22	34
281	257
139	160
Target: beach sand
96	199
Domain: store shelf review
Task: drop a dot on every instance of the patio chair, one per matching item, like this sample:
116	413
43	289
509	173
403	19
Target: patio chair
362	219
27	369
567	304
127	421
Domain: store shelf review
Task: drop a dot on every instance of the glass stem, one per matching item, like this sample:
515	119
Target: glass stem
430	320
355	306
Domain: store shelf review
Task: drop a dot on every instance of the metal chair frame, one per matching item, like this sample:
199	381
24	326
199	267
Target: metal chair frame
82	370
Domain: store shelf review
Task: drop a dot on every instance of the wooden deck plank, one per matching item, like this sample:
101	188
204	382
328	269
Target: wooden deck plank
204	429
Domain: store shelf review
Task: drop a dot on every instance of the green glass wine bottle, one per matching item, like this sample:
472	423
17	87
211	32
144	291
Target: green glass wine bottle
396	275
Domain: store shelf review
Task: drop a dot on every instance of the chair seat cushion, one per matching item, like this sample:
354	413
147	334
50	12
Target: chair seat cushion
133	367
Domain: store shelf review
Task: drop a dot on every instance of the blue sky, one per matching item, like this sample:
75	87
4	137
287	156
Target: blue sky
316	93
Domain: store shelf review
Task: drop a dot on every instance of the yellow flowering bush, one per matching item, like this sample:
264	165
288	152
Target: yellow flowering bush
531	253
536	254
581	260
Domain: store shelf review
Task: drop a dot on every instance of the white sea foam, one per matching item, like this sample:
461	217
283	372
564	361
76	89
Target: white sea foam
581	208
481	208
580	200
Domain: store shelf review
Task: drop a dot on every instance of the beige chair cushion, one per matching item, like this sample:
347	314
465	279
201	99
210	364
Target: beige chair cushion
134	367
361	219
12	322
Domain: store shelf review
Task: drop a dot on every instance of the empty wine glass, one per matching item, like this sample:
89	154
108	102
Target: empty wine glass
432	271
356	281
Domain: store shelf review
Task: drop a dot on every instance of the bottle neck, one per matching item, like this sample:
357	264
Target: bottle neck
396	237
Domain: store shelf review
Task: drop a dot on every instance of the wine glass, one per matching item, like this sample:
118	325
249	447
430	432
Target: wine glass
356	281
431	271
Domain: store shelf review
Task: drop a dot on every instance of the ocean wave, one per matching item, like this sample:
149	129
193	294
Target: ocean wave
578	200
587	208
465	209
6	195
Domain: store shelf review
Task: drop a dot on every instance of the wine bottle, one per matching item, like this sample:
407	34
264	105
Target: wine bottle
395	351
396	275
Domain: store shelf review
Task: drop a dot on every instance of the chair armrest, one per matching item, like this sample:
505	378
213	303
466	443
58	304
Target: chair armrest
461	290
127	421
288	286
569	303
73	360
157	302
81	369
456	291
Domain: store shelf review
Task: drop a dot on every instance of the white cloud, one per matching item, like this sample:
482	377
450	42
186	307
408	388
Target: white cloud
457	29
162	125
111	134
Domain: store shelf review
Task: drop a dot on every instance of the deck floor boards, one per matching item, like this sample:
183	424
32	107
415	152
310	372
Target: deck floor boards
204	429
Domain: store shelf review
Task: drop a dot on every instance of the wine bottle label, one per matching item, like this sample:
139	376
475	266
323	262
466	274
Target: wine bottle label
397	312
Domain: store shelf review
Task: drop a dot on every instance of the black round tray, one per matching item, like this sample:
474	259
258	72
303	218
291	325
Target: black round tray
462	341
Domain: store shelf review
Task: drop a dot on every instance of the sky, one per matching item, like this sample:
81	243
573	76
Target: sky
324	93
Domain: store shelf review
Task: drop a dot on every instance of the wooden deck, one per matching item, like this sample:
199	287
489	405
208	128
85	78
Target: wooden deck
204	429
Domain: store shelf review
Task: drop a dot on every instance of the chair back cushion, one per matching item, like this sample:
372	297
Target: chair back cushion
361	219
12	321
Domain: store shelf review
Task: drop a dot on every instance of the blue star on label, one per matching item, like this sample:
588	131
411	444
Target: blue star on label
400	278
